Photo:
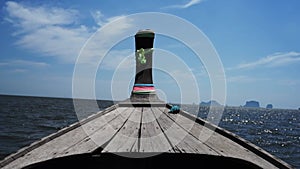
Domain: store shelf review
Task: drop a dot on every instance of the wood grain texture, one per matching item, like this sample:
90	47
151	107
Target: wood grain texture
126	139
180	137
152	137
219	143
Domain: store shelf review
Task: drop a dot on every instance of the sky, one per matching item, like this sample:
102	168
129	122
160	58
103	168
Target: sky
257	43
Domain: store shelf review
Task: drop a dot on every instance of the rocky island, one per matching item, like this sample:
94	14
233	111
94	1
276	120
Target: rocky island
210	103
269	106
252	103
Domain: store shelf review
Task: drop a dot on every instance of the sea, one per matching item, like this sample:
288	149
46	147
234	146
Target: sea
25	119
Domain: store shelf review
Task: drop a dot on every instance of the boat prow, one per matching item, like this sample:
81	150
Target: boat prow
142	132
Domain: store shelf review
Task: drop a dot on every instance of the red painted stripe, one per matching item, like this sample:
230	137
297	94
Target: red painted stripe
144	88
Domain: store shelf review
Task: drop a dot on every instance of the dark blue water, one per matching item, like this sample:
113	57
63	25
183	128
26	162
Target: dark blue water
24	120
275	130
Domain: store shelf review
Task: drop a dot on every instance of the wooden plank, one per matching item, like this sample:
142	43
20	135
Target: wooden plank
59	146
188	125
91	128
179	138
152	137
88	128
99	138
142	104
217	142
126	140
229	148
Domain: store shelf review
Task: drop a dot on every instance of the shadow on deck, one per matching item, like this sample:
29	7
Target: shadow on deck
164	160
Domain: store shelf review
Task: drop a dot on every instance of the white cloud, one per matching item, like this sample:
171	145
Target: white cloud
20	70
191	3
102	41
277	59
244	79
30	18
48	31
24	63
187	5
98	17
57	32
289	82
101	20
122	59
56	41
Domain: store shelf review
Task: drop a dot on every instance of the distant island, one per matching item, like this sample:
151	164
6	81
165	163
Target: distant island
252	103
269	106
210	103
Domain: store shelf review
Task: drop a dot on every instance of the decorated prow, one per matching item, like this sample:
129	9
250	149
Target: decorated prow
144	89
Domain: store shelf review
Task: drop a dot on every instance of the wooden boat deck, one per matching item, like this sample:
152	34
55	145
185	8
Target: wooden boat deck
141	129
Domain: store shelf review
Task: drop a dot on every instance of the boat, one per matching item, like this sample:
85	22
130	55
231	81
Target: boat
142	132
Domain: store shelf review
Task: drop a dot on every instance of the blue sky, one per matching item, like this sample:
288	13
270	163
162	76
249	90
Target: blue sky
257	42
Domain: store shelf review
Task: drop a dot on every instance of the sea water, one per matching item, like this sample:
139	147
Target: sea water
24	120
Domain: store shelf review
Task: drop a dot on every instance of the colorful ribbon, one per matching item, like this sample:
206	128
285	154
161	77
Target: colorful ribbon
143	89
144	85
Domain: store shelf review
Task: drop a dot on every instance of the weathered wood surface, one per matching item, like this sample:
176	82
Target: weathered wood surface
217	142
152	138
135	129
